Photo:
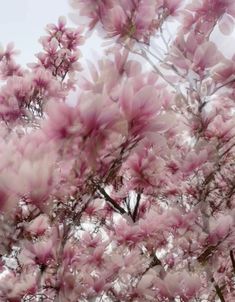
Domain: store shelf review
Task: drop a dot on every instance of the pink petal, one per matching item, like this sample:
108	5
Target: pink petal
226	24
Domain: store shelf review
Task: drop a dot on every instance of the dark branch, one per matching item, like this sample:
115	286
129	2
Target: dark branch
155	261
127	202
218	291
136	207
112	202
232	260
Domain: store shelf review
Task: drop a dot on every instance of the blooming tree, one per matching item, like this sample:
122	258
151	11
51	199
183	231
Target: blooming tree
124	192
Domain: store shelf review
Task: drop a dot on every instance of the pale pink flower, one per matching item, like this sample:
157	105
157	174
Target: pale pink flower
95	285
182	284
226	24
13	287
60	122
38	226
194	160
39	252
220	228
126	234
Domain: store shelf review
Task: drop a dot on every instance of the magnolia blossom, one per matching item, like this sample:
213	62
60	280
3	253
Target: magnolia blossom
117	178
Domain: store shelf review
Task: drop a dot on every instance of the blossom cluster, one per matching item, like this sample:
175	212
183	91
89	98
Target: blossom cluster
124	191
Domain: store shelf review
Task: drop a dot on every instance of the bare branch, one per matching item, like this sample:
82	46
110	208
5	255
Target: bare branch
111	201
136	207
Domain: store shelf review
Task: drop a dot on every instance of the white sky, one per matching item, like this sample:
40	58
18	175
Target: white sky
23	22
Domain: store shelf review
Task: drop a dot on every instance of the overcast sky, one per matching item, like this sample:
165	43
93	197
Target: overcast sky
23	22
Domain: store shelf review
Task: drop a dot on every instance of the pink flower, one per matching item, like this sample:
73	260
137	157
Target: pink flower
220	228
221	128
61	121
115	21
172	6
226	24
96	258
13	288
38	226
39	252
194	161
206	55
144	168
126	234
182	284
95	284
141	108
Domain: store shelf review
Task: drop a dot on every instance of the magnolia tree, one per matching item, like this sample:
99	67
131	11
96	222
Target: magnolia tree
124	190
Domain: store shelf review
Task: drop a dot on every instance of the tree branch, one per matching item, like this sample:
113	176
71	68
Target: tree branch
218	291
232	260
136	207
111	201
